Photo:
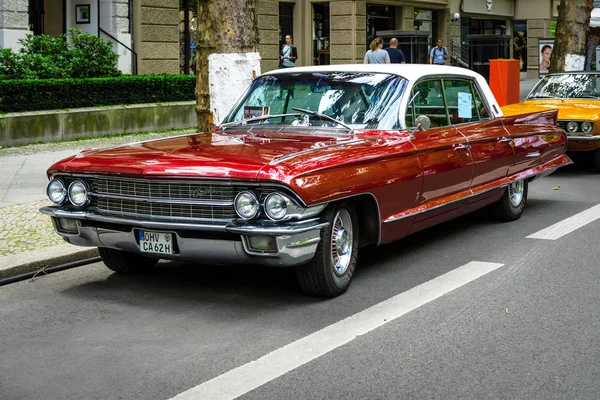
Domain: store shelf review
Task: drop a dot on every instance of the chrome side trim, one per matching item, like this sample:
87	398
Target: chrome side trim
394	219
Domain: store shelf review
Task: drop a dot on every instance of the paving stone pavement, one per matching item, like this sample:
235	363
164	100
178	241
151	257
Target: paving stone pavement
27	239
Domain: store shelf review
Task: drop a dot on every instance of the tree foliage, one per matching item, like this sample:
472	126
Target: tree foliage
73	55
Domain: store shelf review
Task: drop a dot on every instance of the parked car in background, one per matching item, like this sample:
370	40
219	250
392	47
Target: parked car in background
310	165
576	95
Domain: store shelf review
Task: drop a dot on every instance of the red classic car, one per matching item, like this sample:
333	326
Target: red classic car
311	164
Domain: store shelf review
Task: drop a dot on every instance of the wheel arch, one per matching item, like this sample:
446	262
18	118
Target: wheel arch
369	217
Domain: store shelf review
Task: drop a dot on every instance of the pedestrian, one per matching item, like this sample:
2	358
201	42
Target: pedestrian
396	55
438	54
289	53
375	54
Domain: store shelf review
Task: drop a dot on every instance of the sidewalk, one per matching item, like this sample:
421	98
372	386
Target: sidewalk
27	239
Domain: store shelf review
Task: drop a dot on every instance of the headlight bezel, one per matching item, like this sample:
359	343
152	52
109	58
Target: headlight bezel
65	194
254	198
287	202
587	123
85	187
574	125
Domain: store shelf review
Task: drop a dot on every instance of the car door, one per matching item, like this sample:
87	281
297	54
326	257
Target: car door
443	152
491	147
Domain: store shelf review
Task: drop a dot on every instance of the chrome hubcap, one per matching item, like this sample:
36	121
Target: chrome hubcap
515	193
341	242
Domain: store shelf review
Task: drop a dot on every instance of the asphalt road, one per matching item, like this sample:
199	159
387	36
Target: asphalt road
527	327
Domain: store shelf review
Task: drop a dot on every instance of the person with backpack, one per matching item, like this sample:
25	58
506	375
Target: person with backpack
438	54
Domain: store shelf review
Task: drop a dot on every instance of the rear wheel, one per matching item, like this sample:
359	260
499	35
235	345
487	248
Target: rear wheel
330	272
124	262
510	207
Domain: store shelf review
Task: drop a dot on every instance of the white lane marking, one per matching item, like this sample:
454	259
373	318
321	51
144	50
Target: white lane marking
256	373
568	225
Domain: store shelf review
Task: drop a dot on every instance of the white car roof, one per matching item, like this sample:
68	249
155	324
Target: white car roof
412	72
409	71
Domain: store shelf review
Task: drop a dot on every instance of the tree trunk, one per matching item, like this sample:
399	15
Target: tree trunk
569	51
224	26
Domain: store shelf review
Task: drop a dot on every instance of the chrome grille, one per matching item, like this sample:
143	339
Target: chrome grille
164	200
134	208
163	190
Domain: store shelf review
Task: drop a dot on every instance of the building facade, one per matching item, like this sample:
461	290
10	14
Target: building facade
158	36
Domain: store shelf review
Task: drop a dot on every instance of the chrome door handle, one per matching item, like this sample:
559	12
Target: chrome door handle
462	147
505	140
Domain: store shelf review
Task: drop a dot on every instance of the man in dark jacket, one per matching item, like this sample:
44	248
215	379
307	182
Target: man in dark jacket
396	55
289	53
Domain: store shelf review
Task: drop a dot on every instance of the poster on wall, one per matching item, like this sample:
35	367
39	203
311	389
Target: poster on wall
544	53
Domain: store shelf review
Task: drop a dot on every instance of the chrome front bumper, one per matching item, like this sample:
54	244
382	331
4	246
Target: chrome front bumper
296	242
583	138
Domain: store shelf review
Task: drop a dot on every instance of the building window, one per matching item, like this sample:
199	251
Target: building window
320	17
188	35
286	21
485	26
379	18
424	23
36	16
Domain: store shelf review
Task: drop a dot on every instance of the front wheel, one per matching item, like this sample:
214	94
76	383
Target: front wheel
330	272
510	207
124	262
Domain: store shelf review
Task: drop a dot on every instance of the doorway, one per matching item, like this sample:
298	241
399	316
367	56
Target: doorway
47	17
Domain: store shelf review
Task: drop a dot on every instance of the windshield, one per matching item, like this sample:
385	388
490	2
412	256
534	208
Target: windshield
567	86
358	100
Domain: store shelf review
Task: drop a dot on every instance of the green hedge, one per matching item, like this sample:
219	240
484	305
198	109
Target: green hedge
50	94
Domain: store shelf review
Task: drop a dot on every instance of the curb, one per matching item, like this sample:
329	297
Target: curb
33	261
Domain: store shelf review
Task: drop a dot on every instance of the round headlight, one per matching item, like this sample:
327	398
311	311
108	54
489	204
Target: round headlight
587	126
246	205
276	206
78	194
572	126
56	191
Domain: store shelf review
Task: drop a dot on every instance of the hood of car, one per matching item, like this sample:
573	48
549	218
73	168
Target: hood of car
576	109
214	155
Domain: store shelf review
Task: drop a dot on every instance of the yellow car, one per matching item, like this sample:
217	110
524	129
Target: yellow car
576	95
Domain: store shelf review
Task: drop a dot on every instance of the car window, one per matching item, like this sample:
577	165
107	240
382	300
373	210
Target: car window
360	100
427	99
567	86
464	102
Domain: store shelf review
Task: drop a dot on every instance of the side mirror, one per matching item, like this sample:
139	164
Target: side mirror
422	123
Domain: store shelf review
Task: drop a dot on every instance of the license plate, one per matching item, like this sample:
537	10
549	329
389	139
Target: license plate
156	242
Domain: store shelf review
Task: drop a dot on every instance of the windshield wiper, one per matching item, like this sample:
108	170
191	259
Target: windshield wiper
544	97
259	118
323	116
